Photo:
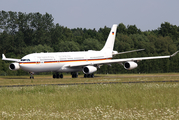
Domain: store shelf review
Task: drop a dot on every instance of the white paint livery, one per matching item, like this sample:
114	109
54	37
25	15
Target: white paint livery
86	61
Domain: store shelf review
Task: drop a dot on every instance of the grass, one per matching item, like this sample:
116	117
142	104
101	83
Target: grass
158	100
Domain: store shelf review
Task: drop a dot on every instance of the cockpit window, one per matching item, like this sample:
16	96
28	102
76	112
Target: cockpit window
25	59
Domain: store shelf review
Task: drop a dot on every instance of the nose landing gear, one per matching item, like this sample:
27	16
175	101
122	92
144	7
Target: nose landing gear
31	75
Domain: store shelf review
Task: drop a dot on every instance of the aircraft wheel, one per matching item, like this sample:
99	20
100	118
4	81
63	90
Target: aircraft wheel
88	75
92	76
74	75
57	76
61	75
54	76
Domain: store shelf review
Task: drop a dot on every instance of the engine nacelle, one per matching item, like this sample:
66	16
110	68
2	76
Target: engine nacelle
130	65
89	69
14	66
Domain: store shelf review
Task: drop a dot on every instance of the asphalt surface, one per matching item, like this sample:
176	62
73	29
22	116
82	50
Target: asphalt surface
87	83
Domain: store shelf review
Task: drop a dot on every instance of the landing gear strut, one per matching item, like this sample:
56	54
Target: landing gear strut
31	75
88	75
57	75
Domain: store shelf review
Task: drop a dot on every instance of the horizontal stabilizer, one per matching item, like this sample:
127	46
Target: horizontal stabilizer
117	53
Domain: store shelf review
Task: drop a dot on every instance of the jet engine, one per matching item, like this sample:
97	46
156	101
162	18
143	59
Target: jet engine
14	66
89	69
130	65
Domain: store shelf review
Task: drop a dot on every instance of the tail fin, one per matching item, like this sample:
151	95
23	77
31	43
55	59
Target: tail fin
111	38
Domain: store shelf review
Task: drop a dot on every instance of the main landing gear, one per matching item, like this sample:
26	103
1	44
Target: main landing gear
88	75
74	74
57	75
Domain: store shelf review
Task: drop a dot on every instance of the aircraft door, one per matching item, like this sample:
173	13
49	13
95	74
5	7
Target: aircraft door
37	60
86	57
41	62
57	58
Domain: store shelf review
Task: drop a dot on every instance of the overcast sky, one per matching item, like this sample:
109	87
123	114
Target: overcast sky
145	14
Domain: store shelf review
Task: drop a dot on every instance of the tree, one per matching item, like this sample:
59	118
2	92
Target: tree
122	28
37	49
132	29
167	29
66	46
92	44
123	43
104	33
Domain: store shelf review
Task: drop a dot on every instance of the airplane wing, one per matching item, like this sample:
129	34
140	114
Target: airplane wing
117	60
9	59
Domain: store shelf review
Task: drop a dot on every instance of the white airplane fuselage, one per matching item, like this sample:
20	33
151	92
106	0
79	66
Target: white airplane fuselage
55	62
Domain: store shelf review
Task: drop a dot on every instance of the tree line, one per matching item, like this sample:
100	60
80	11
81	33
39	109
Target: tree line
22	33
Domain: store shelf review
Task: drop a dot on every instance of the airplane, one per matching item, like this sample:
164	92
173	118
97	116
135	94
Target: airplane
74	62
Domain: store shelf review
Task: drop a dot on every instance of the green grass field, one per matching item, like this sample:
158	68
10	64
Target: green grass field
157	100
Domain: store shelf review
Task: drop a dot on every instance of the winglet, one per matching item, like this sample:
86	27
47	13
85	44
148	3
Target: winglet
174	54
3	56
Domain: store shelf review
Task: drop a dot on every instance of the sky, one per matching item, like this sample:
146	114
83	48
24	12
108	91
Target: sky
90	14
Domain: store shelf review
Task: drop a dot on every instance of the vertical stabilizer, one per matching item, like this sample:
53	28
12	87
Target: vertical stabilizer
111	38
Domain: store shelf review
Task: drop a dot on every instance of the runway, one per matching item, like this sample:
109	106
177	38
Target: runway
89	83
